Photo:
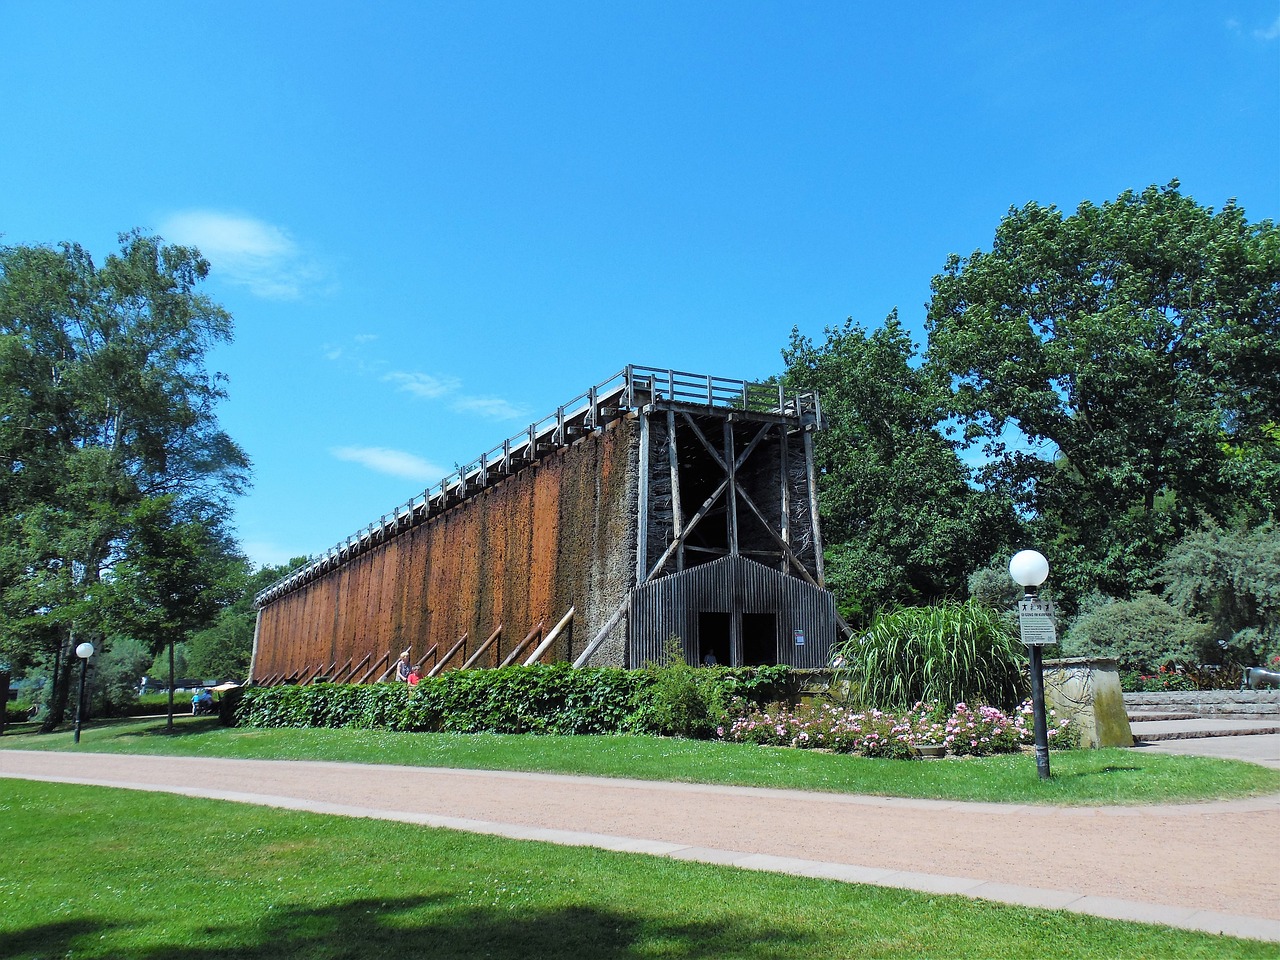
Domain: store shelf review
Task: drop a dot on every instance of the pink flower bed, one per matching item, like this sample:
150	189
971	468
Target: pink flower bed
962	731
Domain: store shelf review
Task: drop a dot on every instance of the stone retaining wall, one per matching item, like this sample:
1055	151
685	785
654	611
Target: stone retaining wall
1227	704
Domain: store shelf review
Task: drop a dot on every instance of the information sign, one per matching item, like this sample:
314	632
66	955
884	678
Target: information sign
1035	622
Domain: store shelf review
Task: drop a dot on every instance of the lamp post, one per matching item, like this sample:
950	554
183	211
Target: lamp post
1029	569
84	651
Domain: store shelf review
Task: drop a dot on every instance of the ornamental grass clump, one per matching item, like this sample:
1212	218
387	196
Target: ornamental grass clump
947	653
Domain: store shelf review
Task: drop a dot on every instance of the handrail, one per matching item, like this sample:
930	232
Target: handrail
631	388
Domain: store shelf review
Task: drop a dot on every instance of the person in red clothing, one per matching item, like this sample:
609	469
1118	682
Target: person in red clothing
413	677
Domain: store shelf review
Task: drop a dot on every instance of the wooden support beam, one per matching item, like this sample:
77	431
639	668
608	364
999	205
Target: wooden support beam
813	508
642	518
482	648
677	519
785	491
599	637
448	656
733	488
338	674
786	550
515	652
381	660
693	522
429	653
551	637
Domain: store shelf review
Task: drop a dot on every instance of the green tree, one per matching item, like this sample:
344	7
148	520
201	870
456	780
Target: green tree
901	521
1230	578
1118	364
223	650
105	402
176	571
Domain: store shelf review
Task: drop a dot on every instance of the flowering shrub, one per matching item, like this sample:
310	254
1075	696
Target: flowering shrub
963	731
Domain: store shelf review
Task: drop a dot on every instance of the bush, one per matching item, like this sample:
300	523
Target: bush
948	653
1141	634
556	699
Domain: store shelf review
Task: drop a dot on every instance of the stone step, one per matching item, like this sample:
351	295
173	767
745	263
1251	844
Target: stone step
1151	730
1152	716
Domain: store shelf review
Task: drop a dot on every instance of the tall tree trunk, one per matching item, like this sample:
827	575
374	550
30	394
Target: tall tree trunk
62	664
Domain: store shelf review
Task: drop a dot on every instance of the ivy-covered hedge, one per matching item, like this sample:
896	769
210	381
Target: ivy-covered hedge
555	699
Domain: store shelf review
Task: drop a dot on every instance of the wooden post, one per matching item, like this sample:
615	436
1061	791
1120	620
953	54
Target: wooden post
482	648
515	652
599	637
448	656
677	520
642	516
813	507
784	451
732	495
551	637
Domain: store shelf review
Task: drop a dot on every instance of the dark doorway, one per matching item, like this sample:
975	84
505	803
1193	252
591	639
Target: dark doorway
759	639
713	637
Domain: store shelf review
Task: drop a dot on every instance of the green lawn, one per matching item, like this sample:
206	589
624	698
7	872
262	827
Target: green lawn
1080	777
97	873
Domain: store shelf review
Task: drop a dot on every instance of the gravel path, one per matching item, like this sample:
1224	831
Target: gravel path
1202	866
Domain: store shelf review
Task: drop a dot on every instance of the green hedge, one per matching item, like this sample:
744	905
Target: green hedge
554	699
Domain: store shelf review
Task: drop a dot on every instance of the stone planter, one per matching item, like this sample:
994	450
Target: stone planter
1086	691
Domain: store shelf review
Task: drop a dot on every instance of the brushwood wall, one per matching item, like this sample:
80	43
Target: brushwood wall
556	534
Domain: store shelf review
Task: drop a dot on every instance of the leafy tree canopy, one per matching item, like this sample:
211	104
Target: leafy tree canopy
1132	349
901	521
106	406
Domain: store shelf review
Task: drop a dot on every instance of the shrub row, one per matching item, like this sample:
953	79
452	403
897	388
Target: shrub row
553	699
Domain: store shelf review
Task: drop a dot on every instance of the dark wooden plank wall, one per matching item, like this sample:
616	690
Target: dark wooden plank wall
554	535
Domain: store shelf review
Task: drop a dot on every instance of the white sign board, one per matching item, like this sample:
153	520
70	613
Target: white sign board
1035	621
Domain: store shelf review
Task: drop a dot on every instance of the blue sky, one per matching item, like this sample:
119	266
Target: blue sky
434	223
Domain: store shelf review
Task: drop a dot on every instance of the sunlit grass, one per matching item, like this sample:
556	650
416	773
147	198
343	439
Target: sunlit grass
96	873
1080	777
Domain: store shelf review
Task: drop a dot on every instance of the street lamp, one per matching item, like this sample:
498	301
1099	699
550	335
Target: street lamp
1029	569
84	651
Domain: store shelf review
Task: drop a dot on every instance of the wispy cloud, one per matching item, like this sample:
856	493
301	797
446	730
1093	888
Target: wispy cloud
491	408
250	253
424	384
396	463
1269	33
430	387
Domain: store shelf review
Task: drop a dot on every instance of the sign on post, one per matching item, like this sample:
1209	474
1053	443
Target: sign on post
799	635
1035	622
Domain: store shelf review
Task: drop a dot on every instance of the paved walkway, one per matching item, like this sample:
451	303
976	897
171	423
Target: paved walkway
1195	866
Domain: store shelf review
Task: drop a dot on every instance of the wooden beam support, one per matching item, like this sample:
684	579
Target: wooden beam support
381	660
515	651
482	648
677	519
551	638
429	653
599	637
448	656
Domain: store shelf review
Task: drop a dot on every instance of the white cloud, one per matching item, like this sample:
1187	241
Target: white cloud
396	463
1269	33
491	408
248	252
423	384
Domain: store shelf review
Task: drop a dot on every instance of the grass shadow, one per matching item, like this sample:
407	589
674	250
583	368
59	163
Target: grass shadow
436	927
